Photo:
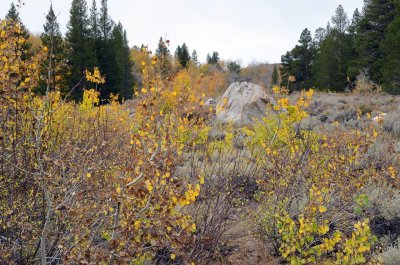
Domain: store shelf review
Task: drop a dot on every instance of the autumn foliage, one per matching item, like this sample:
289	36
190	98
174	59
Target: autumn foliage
88	183
91	183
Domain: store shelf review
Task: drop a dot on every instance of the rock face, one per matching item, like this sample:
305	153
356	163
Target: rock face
242	103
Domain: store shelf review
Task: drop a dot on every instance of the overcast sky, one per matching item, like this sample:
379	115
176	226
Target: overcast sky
244	30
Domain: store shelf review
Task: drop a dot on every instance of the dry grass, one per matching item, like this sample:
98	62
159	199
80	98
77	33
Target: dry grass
391	255
392	123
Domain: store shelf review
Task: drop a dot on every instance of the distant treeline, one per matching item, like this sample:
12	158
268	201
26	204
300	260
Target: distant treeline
92	39
368	44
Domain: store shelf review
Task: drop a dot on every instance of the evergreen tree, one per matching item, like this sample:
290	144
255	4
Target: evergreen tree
105	53
275	76
334	54
319	36
354	22
340	20
94	22
163	56
183	56
106	24
13	15
287	68
371	30
208	60
129	81
178	52
326	65
328	28
120	75
55	63
353	69
195	57
94	31
391	48
298	62
115	75
234	68
81	55
214	58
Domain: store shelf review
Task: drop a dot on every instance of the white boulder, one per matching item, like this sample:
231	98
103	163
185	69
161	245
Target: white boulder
242	103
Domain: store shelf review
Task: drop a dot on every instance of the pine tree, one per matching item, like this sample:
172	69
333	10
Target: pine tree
106	23
371	30
287	68
129	81
340	20
54	68
334	54
275	76
214	58
94	22
178	52
391	48
355	22
208	60
163	56
234	68
81	53
94	31
319	36
116	71
120	75
106	28
195	57
353	69
13	15
182	54
299	62
325	66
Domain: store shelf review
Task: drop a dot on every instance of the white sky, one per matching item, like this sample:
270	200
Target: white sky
243	30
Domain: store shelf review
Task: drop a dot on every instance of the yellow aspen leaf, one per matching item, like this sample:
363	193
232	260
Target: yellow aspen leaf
201	180
358	225
137	224
363	248
149	186
322	230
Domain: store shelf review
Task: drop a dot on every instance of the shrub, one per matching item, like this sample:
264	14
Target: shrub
363	83
83	183
391	255
329	163
392	123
